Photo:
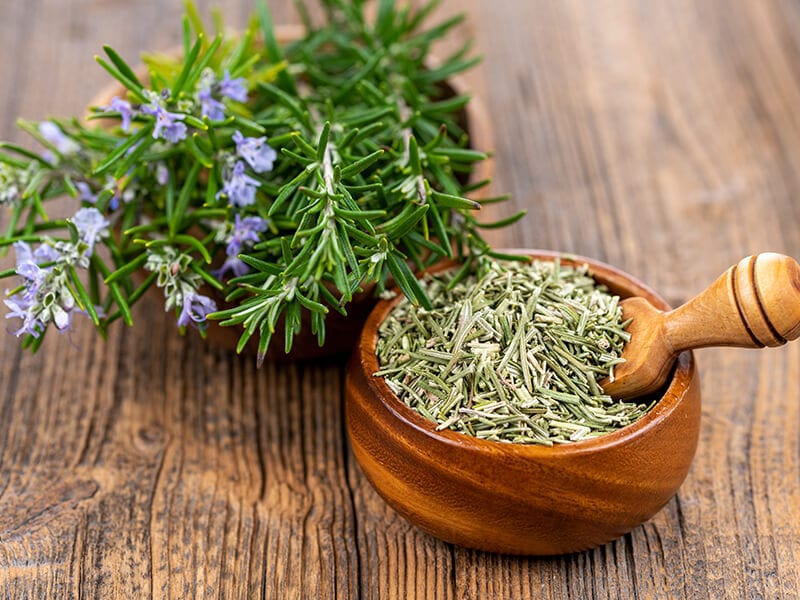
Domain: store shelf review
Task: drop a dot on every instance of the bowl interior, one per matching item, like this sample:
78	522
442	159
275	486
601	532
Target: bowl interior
619	283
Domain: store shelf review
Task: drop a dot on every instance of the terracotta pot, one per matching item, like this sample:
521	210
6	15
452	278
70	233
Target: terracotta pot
342	332
514	498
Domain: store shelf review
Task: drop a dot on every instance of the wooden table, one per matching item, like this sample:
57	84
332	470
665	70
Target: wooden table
663	137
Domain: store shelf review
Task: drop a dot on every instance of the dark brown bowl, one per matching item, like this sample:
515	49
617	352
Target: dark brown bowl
514	498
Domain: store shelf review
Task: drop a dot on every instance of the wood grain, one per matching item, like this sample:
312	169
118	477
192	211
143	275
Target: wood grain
662	137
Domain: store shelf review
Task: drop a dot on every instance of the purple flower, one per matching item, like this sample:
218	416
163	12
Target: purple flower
174	132
168	124
236	89
255	151
62	315
23	252
53	134
113	203
20	309
28	265
245	234
210	107
233	264
46	253
86	192
31	312
25	256
195	308
240	188
91	226
111	185
33	274
123	107
162	174
44	299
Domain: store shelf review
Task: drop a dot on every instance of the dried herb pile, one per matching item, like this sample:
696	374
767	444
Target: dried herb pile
512	353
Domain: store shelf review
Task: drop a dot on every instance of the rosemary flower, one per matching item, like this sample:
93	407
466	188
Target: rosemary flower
168	124
240	188
209	106
125	110
12	182
91	226
255	152
209	90
180	285
20	309
195	309
28	263
85	192
46	297
64	144
241	236
235	89
162	174
171	268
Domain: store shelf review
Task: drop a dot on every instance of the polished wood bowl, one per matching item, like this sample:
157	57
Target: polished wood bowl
522	499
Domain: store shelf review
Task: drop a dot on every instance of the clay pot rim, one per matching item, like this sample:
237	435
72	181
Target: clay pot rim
675	393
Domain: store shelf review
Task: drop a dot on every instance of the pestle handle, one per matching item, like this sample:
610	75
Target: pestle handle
753	304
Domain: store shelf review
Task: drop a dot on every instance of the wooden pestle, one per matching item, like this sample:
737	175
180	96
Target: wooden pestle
753	304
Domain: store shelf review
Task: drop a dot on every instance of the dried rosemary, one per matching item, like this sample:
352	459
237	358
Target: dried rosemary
512	353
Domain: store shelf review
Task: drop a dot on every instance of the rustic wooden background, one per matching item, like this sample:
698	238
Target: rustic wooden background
660	136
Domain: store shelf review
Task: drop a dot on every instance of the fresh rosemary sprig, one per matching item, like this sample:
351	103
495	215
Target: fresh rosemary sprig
286	177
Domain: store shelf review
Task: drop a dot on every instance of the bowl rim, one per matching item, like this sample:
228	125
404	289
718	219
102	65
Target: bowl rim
680	382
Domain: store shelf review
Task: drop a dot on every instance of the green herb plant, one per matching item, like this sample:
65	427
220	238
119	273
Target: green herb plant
284	177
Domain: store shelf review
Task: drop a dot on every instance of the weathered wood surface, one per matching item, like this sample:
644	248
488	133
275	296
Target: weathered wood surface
662	137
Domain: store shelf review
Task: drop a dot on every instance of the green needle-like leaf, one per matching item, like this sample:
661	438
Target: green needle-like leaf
407	282
183	200
361	165
134	87
122	66
24	152
83	296
187	67
274	52
458	202
404	222
503	222
127	269
384	21
120	151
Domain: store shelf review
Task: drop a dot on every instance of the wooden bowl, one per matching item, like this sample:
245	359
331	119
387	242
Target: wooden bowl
341	332
522	499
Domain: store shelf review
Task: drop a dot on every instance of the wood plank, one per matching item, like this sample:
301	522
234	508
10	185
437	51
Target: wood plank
659	136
